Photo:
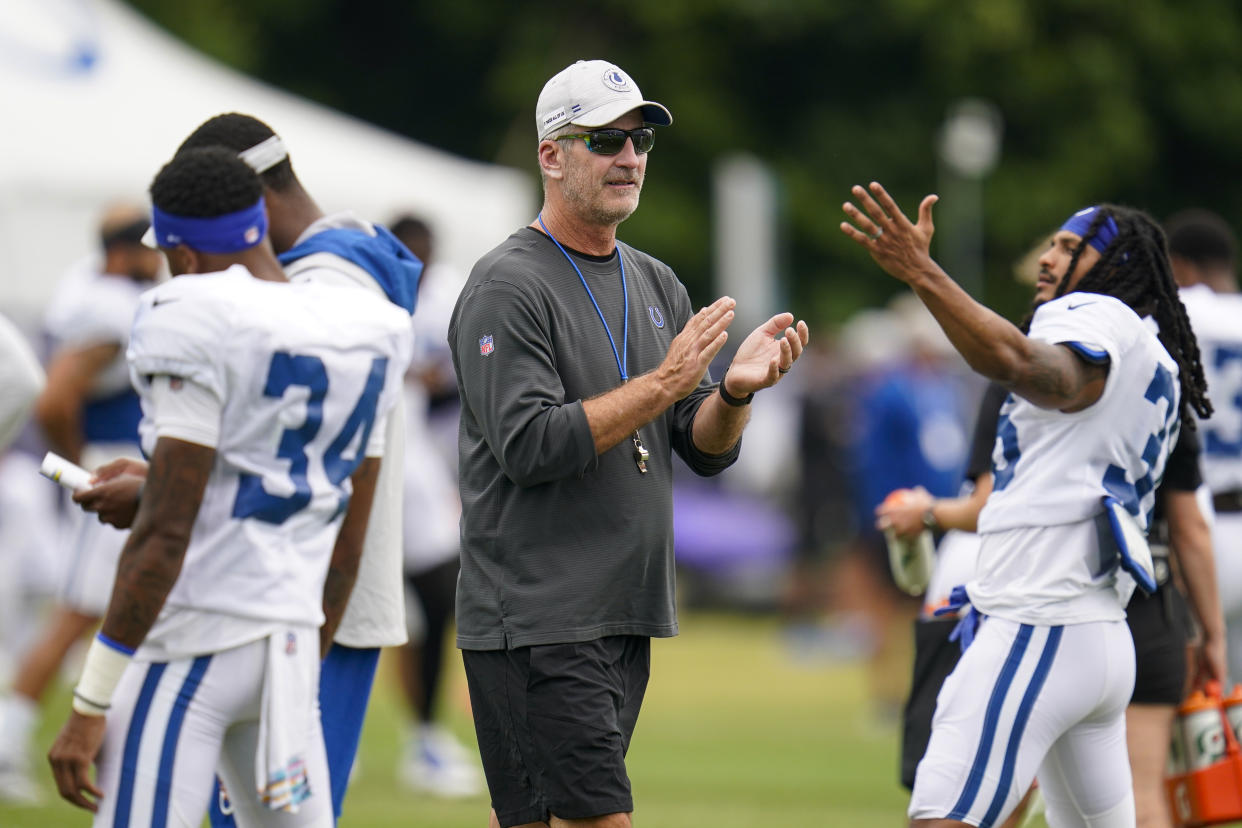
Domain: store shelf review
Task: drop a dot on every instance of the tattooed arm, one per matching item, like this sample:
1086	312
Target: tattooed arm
151	559
1050	376
343	568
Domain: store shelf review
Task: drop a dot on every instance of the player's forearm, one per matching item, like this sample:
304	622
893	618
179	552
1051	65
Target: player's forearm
62	428
614	416
993	346
963	512
146	572
347	553
153	553
1191	540
990	344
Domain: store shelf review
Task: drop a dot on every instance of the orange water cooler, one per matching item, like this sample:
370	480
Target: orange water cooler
1204	782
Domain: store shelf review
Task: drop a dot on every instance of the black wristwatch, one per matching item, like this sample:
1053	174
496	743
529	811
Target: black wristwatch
736	402
929	519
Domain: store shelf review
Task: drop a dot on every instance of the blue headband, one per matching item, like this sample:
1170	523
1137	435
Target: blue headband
1081	221
229	233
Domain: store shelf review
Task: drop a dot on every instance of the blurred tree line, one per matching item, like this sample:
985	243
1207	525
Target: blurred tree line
1131	101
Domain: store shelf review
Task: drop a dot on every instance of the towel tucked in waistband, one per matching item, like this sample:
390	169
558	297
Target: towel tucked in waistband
287	718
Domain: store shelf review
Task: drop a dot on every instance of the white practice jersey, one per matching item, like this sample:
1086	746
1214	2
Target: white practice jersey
299	376
1043	559
92	308
1217	322
375	616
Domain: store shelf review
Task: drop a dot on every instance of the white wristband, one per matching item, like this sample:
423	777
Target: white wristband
105	664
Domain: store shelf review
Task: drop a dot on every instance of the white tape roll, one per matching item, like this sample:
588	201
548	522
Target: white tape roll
70	475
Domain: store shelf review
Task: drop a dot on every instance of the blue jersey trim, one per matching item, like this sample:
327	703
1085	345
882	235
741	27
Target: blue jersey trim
395	269
133	741
1092	355
990	720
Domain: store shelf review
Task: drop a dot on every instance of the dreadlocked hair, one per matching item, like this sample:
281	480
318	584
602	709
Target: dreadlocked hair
1135	269
205	183
239	133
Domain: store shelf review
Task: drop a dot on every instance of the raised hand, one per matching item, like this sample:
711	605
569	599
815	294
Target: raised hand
766	355
903	249
692	350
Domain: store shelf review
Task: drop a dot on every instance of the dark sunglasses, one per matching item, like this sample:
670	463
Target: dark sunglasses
612	141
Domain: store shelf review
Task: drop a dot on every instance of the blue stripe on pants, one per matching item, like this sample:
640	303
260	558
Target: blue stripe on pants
1019	724
990	719
133	741
163	782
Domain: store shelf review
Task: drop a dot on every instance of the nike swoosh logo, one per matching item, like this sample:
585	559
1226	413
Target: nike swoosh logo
159	302
1079	305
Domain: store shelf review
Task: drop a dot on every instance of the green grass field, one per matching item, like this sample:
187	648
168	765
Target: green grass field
735	733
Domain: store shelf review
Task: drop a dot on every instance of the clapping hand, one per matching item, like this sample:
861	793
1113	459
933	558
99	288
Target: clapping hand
766	355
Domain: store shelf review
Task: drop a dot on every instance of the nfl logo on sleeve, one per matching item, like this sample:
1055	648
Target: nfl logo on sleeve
486	346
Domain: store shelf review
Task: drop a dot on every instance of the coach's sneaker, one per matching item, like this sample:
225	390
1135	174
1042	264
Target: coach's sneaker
436	763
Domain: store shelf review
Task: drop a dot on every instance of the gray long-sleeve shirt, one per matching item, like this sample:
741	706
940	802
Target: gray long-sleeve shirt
559	544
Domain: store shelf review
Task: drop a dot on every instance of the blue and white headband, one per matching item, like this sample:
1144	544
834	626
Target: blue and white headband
1080	222
229	233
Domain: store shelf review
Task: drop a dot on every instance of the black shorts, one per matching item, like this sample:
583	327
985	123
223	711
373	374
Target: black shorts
935	656
1160	627
554	723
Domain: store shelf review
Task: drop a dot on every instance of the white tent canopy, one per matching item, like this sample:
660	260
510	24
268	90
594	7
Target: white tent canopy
95	99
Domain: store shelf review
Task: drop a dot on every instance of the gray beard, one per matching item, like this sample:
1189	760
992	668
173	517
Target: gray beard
594	212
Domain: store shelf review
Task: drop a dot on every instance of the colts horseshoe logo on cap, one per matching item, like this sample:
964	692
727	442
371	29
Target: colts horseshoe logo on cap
614	78
657	318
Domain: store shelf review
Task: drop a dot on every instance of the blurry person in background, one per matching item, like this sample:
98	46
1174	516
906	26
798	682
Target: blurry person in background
582	367
21	377
89	414
438	290
911	425
434	760
1203	250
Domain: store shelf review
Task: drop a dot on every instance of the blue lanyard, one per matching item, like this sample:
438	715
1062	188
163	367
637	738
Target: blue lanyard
623	358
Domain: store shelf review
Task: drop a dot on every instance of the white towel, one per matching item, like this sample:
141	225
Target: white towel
286	719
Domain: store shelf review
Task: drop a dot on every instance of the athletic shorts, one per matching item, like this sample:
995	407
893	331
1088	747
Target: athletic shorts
1027	700
1159	626
94	549
935	656
554	723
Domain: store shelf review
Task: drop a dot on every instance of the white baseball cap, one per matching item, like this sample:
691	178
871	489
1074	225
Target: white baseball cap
592	93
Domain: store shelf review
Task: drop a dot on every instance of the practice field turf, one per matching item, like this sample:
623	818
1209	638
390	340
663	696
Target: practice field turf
737	732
